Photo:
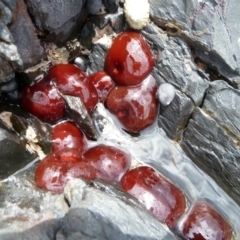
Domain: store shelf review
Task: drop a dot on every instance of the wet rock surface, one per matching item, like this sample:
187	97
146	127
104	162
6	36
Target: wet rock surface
203	115
88	217
210	26
13	154
211	138
28	212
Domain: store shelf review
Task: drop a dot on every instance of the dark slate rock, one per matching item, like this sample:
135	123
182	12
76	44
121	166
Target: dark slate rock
174	118
174	64
210	27
117	20
208	145
87	34
93	6
97	58
25	37
9	86
6	71
99	25
222	104
79	114
111	6
13	154
59	20
33	134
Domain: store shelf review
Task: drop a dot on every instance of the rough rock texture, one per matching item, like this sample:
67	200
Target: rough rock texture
24	36
23	206
97	58
222	104
91	217
23	139
8	51
206	143
174	118
212	137
58	20
13	154
210	26
111	6
174	65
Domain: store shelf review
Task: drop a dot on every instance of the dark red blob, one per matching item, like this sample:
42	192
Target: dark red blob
43	101
205	223
103	83
110	162
71	80
158	195
57	168
68	135
135	107
129	59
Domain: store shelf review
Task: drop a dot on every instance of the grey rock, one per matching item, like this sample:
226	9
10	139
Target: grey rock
93	6
28	212
222	104
33	134
78	112
6	70
97	58
117	20
91	217
13	154
9	55
174	118
24	36
87	34
216	153
99	25
59	20
9	86
111	6
44	231
209	26
174	64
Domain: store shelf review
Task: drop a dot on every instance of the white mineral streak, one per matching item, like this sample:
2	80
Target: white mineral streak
137	13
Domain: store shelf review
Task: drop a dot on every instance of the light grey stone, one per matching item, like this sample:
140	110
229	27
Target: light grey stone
216	153
209	26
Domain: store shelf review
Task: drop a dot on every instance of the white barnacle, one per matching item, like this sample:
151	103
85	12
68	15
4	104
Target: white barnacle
137	13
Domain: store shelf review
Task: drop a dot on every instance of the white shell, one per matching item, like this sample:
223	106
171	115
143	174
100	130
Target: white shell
137	13
166	93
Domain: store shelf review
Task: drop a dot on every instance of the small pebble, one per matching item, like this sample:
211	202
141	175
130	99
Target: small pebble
81	63
166	93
